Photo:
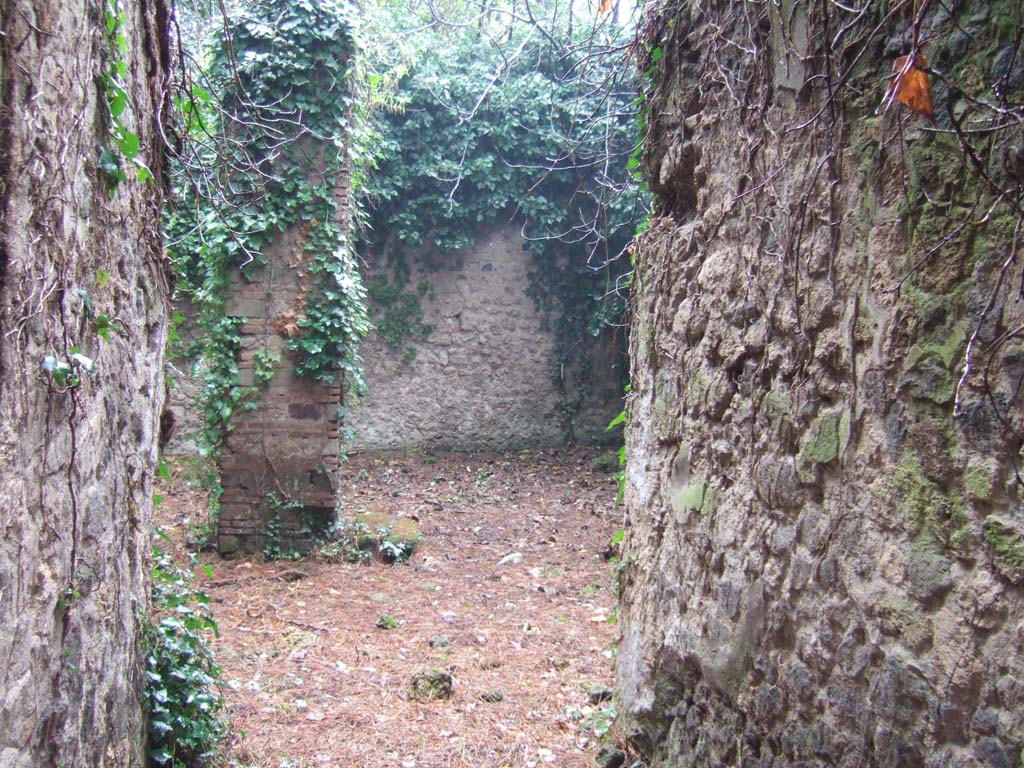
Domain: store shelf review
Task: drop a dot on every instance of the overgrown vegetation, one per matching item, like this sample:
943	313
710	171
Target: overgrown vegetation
266	122
185	722
526	123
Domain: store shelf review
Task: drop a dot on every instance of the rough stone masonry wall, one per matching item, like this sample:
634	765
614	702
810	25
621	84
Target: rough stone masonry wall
482	378
823	565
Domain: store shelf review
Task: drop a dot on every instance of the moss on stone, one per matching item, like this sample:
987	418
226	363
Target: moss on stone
928	370
844	431
689	497
695	387
777	404
979	481
944	350
391	538
936	515
823	441
1007	542
707	505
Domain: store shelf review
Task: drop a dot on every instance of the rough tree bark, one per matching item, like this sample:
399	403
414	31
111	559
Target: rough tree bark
77	461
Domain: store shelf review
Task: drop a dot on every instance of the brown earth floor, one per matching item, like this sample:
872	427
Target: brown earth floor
311	679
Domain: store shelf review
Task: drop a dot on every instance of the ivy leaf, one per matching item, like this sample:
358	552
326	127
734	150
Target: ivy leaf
118	98
110	162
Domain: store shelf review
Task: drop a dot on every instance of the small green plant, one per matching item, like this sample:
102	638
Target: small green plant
395	551
263	367
67	374
182	696
273	549
620	476
342	542
386	621
355	541
599	722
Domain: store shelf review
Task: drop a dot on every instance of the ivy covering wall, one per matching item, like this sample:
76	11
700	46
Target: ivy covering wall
267	118
528	124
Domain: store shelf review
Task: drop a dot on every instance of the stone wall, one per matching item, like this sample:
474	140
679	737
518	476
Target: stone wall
482	377
825	543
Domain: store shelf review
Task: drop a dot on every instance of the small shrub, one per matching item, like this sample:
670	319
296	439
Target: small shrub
182	697
368	537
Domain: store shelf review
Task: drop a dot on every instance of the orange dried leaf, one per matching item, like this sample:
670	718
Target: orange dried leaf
606	6
910	86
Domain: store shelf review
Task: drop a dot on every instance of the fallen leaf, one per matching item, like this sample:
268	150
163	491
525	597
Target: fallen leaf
909	85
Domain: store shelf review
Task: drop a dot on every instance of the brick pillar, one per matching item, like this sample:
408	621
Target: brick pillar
288	443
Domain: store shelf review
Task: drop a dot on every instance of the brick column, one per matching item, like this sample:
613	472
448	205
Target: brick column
287	443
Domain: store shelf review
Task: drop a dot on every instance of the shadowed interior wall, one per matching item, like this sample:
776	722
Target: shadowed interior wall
484	377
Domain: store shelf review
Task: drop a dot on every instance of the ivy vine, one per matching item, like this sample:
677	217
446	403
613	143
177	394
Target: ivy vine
269	129
527	129
124	146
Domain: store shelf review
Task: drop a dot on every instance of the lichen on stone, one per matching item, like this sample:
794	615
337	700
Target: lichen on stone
690	497
979	482
824	441
935	514
1006	540
928	369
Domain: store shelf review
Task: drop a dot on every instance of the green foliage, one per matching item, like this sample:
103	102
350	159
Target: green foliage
345	542
399	312
221	393
360	540
273	546
278	107
125	143
263	367
183	704
67	373
620	475
517	128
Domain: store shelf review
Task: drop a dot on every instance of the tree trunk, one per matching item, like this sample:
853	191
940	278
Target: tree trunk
80	274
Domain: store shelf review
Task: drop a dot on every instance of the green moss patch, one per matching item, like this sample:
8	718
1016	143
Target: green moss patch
699	496
824	441
1006	539
928	370
936	515
979	482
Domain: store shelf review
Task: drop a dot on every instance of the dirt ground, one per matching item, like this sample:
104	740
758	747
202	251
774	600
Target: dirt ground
311	680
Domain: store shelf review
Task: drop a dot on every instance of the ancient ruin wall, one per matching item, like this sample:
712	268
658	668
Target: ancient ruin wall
285	449
482	378
823	560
